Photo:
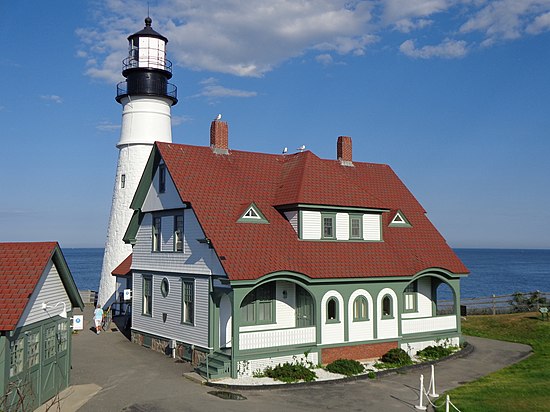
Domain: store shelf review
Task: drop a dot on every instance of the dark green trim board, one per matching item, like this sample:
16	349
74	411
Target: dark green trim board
66	278
305	206
260	219
399	220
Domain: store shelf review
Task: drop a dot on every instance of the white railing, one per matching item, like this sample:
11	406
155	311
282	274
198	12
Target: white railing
271	338
428	324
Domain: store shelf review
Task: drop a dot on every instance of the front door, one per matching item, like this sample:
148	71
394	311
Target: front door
304	308
49	362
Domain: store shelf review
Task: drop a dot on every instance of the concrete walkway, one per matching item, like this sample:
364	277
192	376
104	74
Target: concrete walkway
112	374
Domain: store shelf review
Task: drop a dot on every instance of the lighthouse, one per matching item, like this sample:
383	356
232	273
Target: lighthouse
146	97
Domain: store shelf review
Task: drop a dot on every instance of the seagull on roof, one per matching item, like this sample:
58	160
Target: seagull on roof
285	150
302	148
218	117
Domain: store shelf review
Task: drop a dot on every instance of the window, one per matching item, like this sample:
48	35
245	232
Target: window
162	178
16	356
147	297
328	221
49	343
122	181
156	234
258	306
251	214
178	233
188	299
387	310
33	349
360	309
164	287
332	310
410	296
355	227
62	336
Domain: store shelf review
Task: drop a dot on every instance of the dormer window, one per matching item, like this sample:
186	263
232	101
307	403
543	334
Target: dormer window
252	215
399	220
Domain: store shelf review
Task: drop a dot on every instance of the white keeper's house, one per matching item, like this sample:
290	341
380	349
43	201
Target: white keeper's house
250	259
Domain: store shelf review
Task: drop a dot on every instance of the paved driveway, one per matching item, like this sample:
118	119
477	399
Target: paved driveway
112	374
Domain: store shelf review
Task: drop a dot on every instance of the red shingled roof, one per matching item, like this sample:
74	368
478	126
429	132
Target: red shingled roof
21	265
219	187
125	268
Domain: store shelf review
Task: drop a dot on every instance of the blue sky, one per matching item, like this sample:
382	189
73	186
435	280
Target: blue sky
454	95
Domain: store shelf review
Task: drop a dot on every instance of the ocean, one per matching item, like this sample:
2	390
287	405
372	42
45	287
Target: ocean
492	271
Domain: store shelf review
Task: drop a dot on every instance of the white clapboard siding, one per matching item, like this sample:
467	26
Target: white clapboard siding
387	328
311	225
332	332
172	328
50	290
196	258
428	324
361	330
292	217
371	227
342	226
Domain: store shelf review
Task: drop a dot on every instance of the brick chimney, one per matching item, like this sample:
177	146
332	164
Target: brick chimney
219	140
343	150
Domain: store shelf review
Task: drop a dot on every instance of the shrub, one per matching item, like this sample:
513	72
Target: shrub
371	375
289	372
435	352
396	357
346	367
522	303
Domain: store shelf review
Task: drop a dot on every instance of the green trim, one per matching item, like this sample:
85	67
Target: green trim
66	278
403	223
365	302
143	279
355	216
332	216
185	281
261	218
133	227
336	318
309	206
390	315
252	354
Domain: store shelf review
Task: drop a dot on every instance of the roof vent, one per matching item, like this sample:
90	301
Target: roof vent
219	140
343	150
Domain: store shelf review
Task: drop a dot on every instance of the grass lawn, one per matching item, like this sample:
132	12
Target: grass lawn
524	386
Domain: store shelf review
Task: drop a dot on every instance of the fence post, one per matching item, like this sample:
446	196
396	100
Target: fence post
494	305
447	404
420	406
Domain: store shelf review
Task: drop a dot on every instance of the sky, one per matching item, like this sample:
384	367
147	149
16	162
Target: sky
453	94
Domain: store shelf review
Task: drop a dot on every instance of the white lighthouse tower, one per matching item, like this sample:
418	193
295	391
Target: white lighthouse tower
146	98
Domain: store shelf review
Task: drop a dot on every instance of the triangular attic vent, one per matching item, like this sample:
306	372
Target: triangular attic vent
400	220
252	215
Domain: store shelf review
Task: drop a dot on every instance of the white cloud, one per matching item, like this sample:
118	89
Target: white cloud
324	59
177	120
52	98
251	38
508	19
211	89
449	49
540	24
107	127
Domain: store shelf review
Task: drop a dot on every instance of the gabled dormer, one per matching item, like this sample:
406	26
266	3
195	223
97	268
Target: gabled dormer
399	220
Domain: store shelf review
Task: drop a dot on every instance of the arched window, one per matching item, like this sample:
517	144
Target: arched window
360	309
387	307
332	310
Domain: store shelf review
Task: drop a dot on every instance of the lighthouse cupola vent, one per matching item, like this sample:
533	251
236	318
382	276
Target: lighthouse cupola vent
146	68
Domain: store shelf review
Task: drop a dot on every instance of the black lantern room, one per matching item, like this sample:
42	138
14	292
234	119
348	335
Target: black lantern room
146	68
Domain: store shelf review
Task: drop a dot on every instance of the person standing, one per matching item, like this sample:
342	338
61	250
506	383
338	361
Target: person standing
98	318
